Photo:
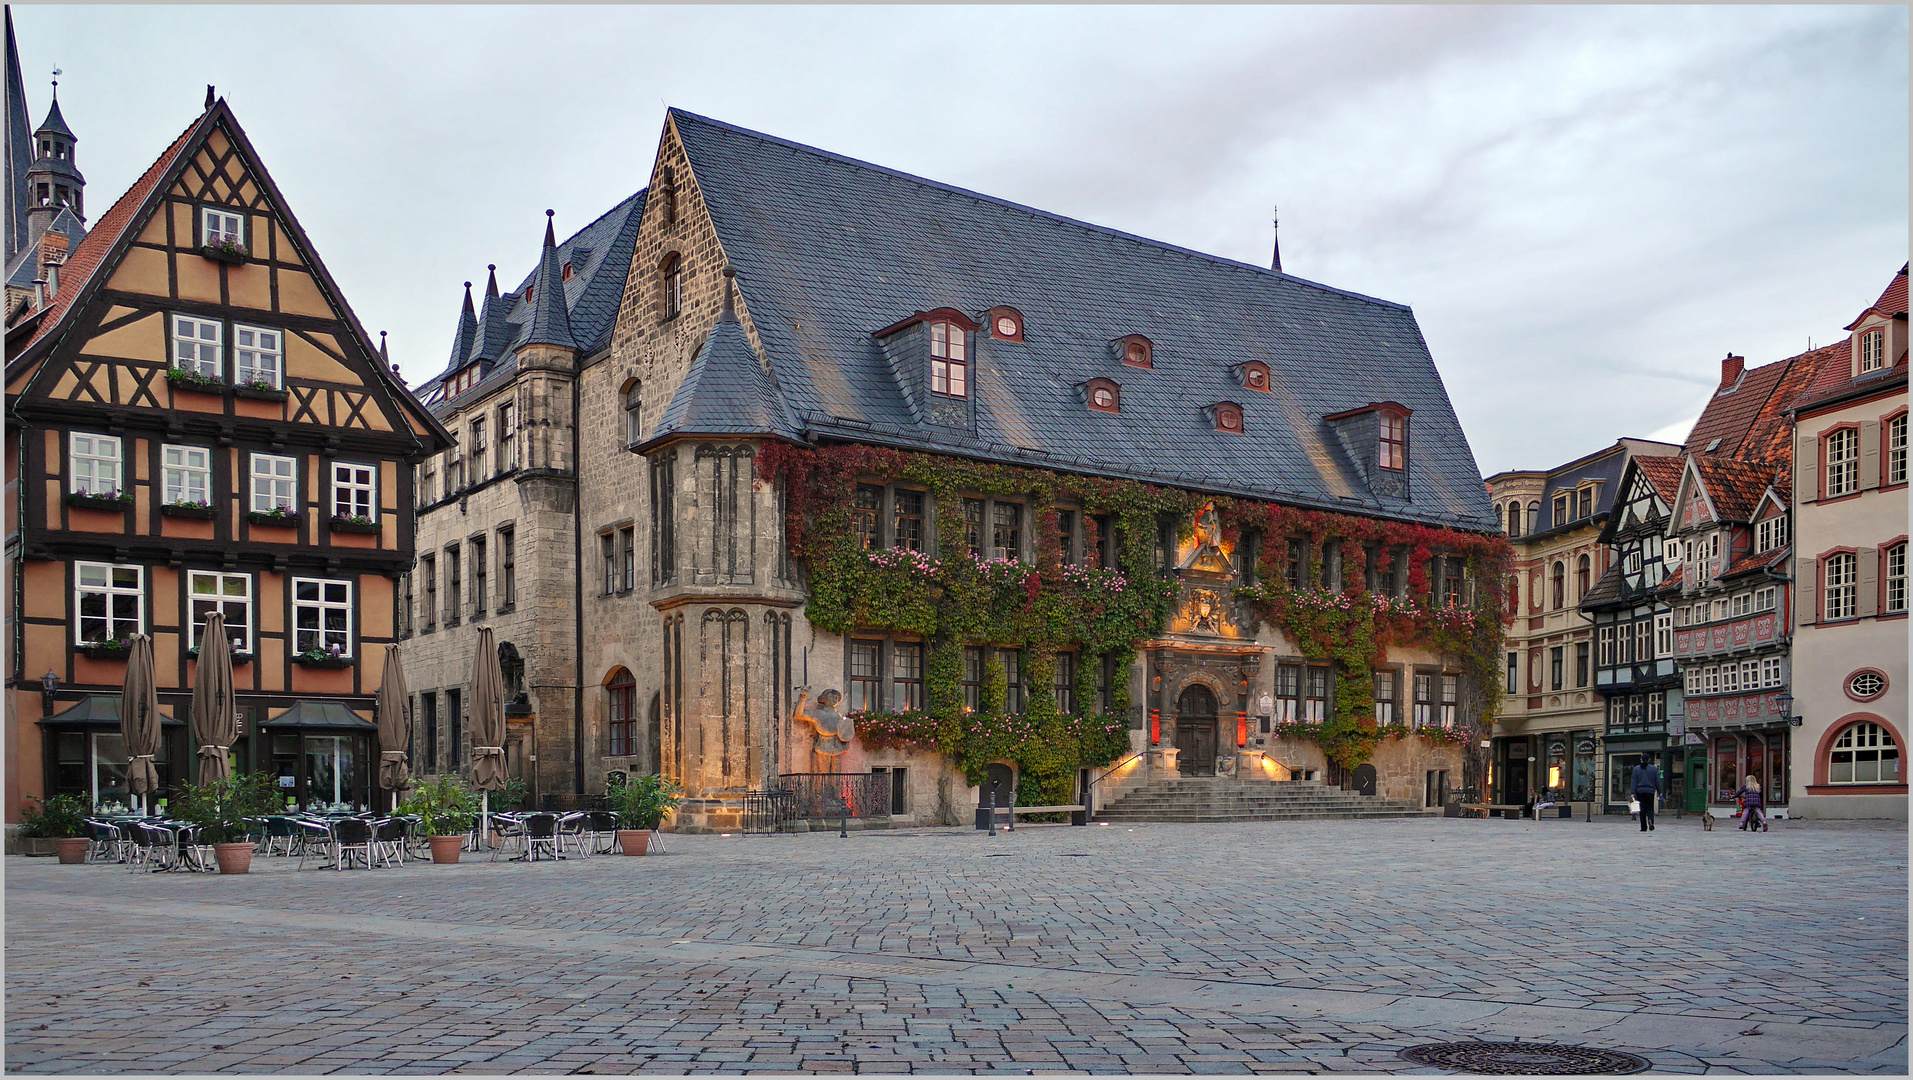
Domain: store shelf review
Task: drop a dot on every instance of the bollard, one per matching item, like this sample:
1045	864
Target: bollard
992	808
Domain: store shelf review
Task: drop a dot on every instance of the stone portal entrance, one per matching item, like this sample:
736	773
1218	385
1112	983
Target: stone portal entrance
1196	732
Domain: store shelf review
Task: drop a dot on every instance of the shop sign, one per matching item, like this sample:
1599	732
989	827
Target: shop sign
1584	747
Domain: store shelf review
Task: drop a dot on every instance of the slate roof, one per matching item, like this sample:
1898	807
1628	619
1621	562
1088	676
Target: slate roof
726	392
25	266
1751	420
550	319
829	250
19	147
55	124
1606	590
600	254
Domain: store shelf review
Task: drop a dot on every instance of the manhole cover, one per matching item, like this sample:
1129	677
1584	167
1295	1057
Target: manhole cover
1531	1059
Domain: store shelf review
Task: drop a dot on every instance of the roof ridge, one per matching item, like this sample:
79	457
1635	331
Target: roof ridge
1033	211
569	240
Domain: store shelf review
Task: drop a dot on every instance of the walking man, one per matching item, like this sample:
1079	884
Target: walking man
1647	785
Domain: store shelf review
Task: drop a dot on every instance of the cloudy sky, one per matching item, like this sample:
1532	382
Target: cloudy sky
1586	207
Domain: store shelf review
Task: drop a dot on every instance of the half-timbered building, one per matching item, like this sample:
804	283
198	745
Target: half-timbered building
198	423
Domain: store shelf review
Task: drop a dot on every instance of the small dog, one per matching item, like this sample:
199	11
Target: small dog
1706	821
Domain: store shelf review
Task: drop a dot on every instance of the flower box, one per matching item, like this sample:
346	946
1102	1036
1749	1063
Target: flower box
267	517
104	650
321	660
189	510
231	254
86	500
259	393
238	658
354	525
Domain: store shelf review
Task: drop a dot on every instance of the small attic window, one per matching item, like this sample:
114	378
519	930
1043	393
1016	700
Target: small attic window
949	360
1006	324
529	289
1103	395
565	275
1392	451
1711	447
1255	375
1227	417
1872	351
1136	351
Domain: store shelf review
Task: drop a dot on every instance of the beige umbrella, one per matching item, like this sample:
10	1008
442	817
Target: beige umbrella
139	717
394	711
488	724
215	713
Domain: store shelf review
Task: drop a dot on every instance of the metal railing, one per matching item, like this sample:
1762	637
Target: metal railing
767	812
831	795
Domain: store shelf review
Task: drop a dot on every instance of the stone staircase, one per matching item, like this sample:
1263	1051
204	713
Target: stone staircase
1228	799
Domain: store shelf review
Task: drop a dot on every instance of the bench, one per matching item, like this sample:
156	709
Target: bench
1485	809
1078	814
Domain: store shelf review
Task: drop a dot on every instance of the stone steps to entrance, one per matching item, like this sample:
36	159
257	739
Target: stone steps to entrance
1206	799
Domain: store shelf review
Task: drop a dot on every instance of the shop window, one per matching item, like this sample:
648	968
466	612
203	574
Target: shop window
322	616
1864	753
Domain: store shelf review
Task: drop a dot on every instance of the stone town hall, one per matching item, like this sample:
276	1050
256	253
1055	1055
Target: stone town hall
631	420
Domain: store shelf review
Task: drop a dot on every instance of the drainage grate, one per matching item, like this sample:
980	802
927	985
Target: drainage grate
1528	1059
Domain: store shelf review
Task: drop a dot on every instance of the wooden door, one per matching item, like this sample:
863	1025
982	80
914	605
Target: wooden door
1196	732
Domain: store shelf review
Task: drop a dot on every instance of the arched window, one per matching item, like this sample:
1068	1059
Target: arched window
621	712
1560	584
1864	754
671	285
1534	516
1514	519
1103	395
1583	571
633	405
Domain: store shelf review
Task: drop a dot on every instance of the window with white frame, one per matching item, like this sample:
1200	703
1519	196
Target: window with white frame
228	594
1720	609
1766	599
949	366
1657	707
355	491
196	345
1450	699
111	601
1864	754
1750	674
1680	616
259	355
275	483
1743	604
1771	534
186	474
93	463
1710	680
1664	634
1843	462
1690	681
1896	450
1895	595
1770	671
1838	587
1604	645
1385	692
1730	678
1872	351
221	226
322	616
1424	714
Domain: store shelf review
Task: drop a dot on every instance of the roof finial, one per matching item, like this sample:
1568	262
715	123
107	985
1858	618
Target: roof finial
549	241
729	314
56	84
468	298
209	95
1275	224
383	355
491	285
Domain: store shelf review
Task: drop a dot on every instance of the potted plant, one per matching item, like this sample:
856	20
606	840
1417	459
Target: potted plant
355	523
103	649
223	809
641	803
189	379
238	655
331	657
60	820
263	389
198	509
227	249
112	501
278	515
445	808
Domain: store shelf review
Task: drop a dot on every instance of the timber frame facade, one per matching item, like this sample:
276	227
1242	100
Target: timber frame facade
198	422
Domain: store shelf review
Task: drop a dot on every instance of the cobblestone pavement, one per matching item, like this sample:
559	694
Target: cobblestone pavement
1325	946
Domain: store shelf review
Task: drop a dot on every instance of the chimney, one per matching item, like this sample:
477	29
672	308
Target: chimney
53	251
1730	370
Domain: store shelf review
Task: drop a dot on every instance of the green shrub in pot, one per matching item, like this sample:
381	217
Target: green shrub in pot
224	808
444	806
60	818
642	801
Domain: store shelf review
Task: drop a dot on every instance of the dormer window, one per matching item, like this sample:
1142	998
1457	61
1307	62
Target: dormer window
220	227
1226	416
1103	395
1392	452
1136	351
1254	374
1006	324
565	274
949	360
1586	507
1872	351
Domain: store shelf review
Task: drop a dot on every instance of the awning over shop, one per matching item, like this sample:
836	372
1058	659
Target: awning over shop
102	710
321	714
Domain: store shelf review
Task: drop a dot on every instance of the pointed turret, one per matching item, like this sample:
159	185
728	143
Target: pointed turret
726	392
550	322
53	181
491	283
467	332
19	149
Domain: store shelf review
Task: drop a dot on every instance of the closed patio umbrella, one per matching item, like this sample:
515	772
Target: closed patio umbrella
139	717
394	709
215	715
488	724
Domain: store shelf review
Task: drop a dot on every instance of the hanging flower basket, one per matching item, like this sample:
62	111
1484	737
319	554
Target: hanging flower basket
104	650
87	500
362	526
259	392
231	252
186	379
238	657
321	658
284	518
197	511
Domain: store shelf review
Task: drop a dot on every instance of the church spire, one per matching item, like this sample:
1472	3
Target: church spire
19	149
550	322
54	183
467	334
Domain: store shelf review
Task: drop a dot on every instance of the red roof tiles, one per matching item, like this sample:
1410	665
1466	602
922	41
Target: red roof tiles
1747	564
1734	487
1664	473
1750	421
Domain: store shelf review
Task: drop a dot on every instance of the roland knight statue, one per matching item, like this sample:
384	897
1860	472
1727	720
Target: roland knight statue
834	730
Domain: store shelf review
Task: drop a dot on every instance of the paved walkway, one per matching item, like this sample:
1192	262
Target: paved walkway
1284	947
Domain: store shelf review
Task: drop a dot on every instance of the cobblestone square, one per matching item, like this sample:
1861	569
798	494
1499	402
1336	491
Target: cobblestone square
1315	946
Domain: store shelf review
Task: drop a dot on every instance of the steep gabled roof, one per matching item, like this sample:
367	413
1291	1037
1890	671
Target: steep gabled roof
1751	420
1732	487
1837	379
1663	473
832	249
1606	590
726	392
550	321
1892	301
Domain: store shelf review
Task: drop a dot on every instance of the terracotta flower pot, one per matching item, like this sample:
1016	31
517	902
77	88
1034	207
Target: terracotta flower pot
71	849
634	841
233	858
445	849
